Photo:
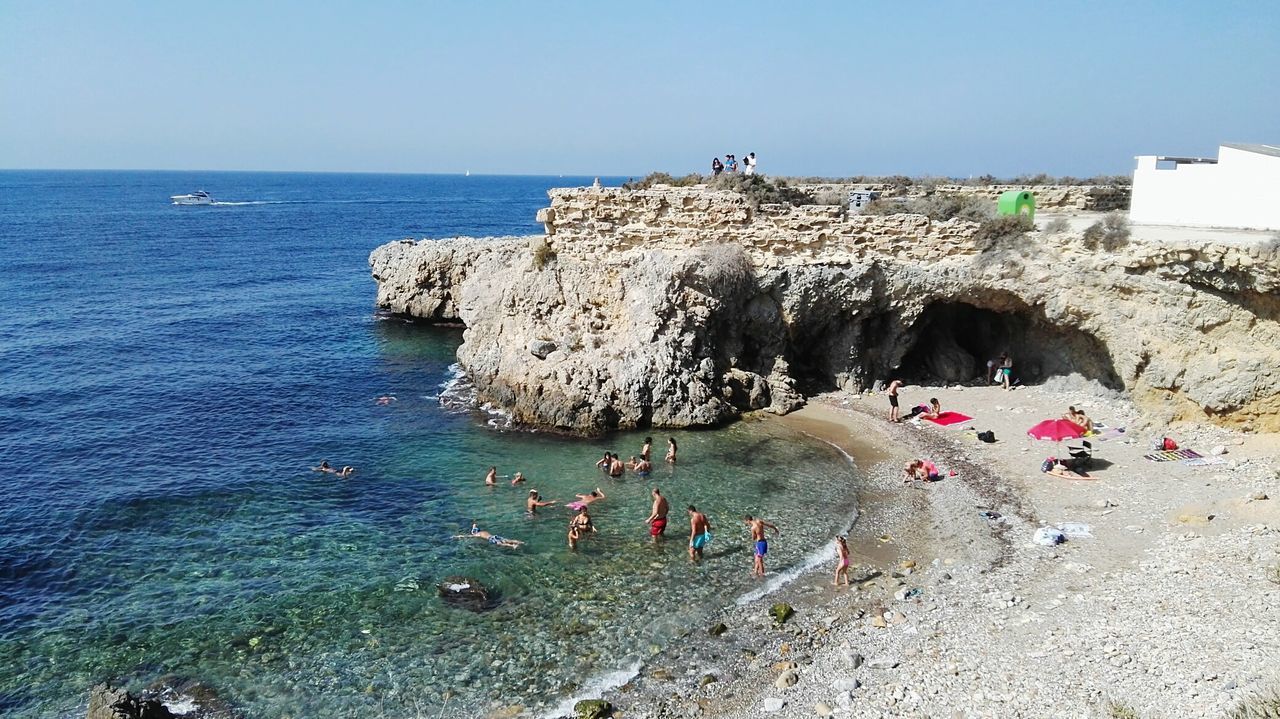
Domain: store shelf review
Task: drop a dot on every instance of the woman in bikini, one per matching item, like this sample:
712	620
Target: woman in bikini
842	561
671	450
579	527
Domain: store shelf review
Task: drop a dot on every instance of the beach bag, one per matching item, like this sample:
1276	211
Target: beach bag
988	436
1048	536
1047	465
1169	445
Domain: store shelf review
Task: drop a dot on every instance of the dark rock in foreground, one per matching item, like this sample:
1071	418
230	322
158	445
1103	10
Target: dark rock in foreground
467	593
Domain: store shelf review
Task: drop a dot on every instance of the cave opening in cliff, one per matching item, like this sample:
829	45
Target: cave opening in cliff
951	342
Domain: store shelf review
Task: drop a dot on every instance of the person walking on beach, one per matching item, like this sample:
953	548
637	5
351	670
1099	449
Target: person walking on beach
893	399
579	527
761	544
842	561
657	520
534	503
699	533
671	450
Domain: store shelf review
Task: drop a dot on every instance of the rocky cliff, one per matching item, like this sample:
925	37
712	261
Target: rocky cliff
686	307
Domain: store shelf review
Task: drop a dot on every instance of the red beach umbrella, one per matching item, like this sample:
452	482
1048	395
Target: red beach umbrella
1055	430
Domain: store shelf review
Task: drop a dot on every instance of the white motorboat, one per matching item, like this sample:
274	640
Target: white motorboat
199	197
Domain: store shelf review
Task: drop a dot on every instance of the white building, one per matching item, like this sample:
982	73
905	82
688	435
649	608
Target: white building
1241	188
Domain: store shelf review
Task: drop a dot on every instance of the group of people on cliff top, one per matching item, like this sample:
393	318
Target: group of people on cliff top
730	164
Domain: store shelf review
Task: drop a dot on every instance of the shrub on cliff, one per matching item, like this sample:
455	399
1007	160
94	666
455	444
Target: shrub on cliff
937	207
1002	230
724	268
1057	226
1110	233
662	178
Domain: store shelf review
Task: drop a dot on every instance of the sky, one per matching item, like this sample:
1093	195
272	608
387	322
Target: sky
604	88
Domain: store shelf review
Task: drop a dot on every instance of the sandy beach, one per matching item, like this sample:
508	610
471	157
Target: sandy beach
1167	608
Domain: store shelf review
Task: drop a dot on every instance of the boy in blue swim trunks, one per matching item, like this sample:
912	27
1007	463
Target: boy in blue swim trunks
478	533
761	544
699	533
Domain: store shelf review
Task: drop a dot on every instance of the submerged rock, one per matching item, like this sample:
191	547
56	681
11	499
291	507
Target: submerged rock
593	709
781	612
466	592
108	702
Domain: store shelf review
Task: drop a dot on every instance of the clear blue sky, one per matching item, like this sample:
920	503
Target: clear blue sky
605	88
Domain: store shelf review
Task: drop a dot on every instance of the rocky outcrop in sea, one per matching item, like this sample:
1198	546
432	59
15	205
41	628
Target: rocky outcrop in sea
686	307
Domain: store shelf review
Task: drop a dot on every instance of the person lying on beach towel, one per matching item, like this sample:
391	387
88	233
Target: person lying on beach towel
1057	468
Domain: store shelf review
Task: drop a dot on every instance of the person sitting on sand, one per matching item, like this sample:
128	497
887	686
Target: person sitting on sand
1079	418
842	562
535	502
585	499
580	526
935	409
640	466
518	478
478	533
671	450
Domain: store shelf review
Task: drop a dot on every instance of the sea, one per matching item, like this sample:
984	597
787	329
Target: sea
170	375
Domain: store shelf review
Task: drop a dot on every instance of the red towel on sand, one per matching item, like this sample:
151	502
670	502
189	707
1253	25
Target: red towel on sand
947	419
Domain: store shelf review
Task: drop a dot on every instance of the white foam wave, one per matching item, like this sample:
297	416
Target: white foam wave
595	687
811	560
457	392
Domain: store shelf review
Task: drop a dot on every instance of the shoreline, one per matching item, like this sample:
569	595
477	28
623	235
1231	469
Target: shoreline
961	614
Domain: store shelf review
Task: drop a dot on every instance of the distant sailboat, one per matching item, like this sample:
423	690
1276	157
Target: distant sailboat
467	173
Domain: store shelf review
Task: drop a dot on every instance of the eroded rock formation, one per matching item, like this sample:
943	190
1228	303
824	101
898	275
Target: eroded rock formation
686	307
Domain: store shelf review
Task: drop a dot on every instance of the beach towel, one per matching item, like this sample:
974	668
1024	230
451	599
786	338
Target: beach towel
946	419
1056	430
1173	455
1110	433
1203	461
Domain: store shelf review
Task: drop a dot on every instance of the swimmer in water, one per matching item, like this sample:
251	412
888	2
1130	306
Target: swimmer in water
535	502
478	533
646	449
386	399
605	461
324	467
345	472
641	466
518	478
616	467
586	499
580	526
491	479
671	450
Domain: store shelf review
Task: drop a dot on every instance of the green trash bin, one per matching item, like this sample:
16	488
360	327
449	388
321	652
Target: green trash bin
1016	202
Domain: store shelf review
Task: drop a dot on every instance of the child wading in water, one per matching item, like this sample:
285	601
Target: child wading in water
842	561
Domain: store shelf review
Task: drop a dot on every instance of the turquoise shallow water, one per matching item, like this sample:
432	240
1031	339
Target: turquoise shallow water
168	375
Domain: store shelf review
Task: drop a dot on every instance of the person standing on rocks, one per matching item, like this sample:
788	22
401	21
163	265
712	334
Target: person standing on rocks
893	400
657	520
699	533
717	167
842	561
761	544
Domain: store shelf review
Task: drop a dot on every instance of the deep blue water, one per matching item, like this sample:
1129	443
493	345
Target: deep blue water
169	374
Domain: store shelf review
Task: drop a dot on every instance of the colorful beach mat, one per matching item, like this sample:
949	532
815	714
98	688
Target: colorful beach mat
1203	461
946	419
1173	455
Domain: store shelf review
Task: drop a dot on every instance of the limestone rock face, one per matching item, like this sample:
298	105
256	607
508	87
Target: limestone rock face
683	307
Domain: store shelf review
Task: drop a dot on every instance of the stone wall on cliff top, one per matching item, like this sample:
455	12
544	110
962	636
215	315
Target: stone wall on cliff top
1052	198
681	307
